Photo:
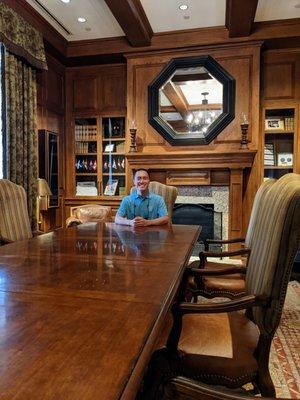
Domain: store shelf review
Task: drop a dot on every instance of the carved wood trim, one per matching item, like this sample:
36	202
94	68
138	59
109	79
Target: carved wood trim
191	178
192	160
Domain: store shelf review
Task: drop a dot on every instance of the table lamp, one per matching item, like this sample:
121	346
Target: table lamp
42	192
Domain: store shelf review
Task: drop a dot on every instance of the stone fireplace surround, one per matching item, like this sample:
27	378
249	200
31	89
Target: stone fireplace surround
216	195
205	168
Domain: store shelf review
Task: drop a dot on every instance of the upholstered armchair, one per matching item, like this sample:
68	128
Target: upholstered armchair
167	192
221	343
14	219
88	213
219	282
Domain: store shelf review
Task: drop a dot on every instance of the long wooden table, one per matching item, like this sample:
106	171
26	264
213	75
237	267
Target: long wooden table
81	309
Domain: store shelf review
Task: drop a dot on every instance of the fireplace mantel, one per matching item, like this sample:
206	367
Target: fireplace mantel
239	159
199	167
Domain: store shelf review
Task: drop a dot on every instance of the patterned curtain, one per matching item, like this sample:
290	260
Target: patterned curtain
21	129
21	38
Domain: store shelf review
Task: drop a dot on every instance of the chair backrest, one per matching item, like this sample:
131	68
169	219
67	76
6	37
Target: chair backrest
91	212
274	246
14	219
256	209
167	192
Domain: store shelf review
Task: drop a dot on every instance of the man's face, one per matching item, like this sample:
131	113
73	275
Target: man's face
141	180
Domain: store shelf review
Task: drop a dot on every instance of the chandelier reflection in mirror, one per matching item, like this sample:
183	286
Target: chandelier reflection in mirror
191	101
199	121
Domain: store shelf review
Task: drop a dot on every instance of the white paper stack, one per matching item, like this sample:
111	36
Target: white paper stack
86	189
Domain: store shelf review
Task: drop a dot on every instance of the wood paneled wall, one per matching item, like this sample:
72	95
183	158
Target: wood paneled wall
51	116
280	77
281	89
91	91
243	63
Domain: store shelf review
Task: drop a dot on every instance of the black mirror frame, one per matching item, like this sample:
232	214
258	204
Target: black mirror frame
217	126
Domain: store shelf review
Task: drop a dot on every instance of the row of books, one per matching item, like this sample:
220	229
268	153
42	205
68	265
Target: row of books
289	124
278	159
85	147
85	132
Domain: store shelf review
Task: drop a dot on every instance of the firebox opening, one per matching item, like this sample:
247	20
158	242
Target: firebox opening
203	215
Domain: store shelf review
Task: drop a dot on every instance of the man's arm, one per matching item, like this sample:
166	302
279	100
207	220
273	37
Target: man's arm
123	220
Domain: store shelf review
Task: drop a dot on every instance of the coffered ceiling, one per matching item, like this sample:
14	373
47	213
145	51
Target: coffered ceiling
163	16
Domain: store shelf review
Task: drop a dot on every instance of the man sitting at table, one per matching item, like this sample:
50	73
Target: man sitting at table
141	207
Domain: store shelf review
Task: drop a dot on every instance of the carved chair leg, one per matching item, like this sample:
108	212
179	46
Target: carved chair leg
264	381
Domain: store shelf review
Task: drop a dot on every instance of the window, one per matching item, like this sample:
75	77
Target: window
2	131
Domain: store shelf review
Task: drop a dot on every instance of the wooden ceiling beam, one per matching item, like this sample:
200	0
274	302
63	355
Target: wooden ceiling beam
133	20
282	30
175	97
240	17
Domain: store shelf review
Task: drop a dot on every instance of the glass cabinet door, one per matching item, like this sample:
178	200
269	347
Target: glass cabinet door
48	164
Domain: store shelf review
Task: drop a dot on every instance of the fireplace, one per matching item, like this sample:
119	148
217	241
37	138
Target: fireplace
227	170
199	214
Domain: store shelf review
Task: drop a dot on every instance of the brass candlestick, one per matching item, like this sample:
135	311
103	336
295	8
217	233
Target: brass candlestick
133	146
244	141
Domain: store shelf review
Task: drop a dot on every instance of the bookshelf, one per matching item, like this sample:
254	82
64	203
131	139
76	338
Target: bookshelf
280	141
100	167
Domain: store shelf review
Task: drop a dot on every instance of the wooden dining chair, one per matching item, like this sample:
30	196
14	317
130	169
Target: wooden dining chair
221	283
14	219
221	343
181	388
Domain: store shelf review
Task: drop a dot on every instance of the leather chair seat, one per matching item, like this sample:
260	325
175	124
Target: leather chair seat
233	284
215	349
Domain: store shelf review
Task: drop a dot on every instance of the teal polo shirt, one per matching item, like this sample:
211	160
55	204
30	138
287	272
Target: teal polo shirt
151	206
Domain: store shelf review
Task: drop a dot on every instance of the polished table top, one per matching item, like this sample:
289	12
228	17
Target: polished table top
81	308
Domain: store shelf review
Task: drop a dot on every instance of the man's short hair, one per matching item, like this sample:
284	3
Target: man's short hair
141	169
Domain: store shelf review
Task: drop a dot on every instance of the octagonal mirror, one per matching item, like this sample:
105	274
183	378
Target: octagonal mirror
191	101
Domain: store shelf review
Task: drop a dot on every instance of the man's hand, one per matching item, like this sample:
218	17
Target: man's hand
139	221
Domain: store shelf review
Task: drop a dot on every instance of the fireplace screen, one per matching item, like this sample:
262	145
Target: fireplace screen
203	215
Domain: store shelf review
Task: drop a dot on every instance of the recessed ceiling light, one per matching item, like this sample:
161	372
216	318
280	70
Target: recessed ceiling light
65	1
81	19
183	7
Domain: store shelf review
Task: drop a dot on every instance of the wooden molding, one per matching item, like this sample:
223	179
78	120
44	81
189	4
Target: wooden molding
133	20
270	30
240	17
194	160
191	178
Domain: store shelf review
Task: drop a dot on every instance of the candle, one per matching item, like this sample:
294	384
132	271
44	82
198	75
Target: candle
133	124
244	118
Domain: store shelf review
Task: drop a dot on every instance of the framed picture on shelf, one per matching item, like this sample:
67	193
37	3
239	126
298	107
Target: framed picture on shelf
274	124
285	159
269	157
111	187
109	148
